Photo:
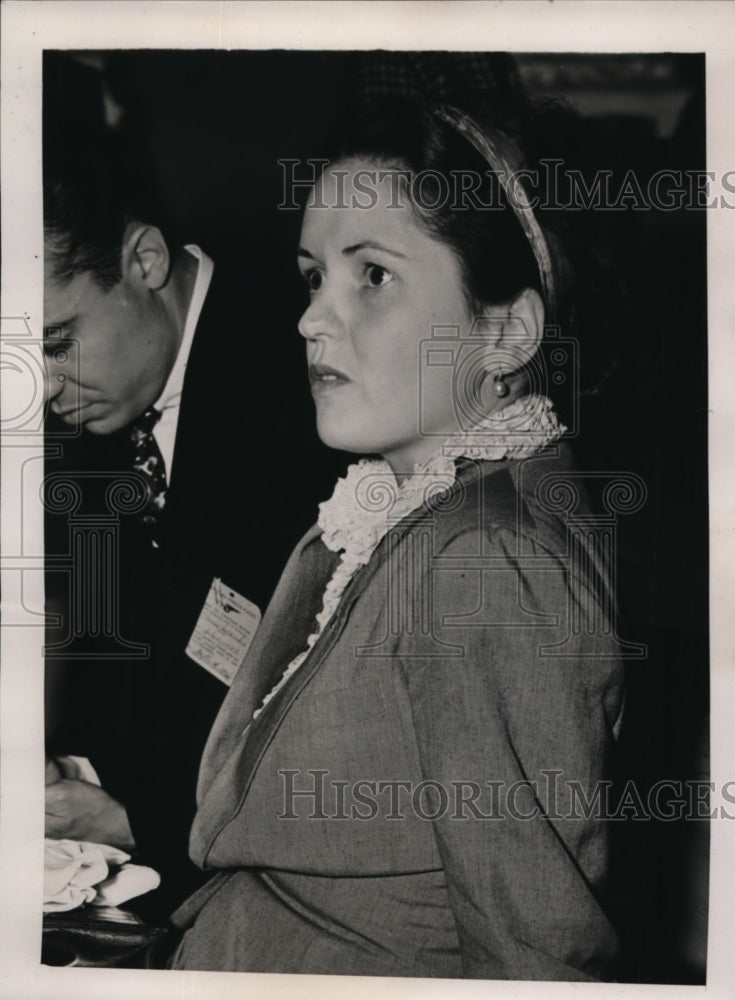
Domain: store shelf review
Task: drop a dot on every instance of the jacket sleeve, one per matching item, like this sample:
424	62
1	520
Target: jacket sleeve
514	738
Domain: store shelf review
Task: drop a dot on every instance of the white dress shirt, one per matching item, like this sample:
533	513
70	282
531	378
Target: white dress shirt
169	402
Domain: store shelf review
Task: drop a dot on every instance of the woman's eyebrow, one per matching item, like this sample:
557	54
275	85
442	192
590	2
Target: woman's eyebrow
355	247
372	245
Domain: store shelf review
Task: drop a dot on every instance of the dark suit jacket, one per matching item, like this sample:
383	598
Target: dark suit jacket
245	483
473	648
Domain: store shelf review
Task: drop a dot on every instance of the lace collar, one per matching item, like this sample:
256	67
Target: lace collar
368	501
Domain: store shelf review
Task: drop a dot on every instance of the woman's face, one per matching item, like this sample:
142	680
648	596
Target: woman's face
378	285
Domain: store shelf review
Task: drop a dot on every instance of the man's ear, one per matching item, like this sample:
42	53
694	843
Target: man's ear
519	328
145	256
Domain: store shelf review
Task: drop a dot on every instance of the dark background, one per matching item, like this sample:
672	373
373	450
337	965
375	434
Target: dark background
208	129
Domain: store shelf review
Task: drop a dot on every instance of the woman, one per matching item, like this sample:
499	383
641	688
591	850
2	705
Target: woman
399	782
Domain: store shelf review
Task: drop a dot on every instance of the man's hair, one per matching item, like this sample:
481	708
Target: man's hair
90	195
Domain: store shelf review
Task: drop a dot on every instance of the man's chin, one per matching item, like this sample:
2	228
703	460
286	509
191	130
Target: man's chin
103	424
101	428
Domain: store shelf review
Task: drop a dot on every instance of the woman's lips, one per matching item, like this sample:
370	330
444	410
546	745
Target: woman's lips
324	377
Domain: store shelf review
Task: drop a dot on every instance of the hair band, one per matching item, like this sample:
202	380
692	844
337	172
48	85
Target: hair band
504	158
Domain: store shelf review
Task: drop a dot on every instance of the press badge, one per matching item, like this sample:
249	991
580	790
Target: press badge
224	631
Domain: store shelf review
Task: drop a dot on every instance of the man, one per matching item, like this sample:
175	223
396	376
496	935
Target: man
136	328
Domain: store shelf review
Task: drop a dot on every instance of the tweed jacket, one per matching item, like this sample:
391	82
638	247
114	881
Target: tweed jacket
411	801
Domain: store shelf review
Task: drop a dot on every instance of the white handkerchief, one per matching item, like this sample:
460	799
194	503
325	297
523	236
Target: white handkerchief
78	872
72	868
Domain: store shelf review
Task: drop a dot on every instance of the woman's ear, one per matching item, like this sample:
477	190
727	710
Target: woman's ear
519	328
145	256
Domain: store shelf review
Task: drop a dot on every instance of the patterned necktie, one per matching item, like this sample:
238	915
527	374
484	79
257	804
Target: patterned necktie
148	461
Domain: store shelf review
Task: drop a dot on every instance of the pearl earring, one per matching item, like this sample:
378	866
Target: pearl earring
501	389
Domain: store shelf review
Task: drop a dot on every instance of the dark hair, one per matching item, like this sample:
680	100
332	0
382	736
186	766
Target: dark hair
479	225
90	195
495	254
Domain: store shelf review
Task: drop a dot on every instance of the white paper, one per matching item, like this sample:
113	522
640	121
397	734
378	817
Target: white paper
222	635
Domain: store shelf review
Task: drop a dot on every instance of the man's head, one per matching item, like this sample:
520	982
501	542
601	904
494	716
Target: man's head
109	305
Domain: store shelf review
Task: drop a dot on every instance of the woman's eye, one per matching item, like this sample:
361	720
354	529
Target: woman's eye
313	280
377	275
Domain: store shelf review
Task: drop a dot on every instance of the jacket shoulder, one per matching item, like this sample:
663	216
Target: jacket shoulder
508	497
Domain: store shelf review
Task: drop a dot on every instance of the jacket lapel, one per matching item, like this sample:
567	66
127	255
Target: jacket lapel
296	602
256	676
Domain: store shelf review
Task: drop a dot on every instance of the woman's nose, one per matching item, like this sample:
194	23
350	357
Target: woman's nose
321	319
